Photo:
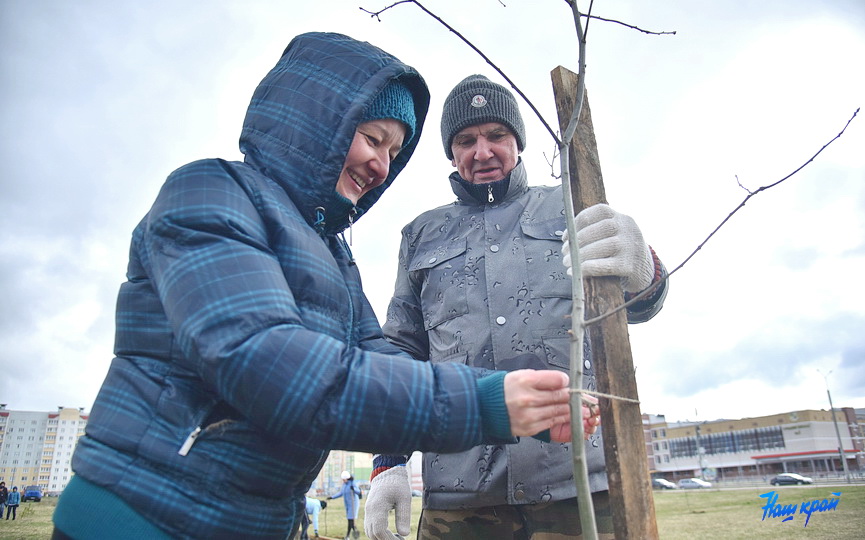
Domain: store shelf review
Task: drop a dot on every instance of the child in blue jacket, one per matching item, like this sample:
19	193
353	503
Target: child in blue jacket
12	502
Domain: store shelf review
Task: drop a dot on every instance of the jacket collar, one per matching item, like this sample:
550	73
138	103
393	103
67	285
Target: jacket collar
518	184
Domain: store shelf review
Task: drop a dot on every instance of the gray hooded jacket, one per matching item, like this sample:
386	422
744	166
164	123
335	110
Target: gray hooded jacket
483	284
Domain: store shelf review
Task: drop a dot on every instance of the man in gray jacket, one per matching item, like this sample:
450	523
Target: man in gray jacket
481	281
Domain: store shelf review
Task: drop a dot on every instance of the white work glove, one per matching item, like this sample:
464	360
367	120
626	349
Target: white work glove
611	244
388	491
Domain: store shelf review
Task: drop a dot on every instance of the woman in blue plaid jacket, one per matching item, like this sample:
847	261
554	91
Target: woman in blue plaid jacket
245	348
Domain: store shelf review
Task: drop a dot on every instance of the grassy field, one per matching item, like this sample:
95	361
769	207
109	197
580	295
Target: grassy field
681	514
33	521
738	513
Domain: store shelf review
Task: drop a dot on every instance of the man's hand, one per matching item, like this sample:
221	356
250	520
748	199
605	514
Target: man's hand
611	244
538	400
591	421
591	415
389	490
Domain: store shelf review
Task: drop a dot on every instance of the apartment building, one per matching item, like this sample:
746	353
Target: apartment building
36	447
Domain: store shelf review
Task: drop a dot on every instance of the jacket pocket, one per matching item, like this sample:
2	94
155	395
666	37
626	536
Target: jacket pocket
547	275
444	276
208	420
556	343
454	358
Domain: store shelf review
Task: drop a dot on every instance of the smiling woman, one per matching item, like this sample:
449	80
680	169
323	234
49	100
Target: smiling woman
246	349
387	124
376	143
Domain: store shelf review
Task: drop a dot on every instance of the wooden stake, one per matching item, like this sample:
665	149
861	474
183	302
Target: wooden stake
631	498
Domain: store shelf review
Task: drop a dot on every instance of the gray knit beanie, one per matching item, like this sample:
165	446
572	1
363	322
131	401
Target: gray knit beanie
478	100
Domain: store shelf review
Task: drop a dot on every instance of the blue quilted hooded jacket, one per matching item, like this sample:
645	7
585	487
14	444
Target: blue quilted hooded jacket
245	348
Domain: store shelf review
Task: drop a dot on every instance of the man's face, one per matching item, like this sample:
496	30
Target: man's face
485	152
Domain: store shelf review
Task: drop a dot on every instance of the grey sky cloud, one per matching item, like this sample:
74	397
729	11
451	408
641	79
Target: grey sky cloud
776	355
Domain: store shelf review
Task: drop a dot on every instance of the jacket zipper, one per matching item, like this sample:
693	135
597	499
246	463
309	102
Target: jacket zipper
351	214
490	194
190	440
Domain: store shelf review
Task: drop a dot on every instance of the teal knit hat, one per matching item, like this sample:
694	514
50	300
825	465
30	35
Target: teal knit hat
394	101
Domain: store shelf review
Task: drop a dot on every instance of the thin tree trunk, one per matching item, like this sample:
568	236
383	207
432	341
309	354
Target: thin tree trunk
631	497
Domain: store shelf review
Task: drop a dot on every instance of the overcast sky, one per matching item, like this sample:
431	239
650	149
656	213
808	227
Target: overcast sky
100	100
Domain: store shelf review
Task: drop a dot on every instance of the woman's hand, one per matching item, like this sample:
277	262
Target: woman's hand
538	400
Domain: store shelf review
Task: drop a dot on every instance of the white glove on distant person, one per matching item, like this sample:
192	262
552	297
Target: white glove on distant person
611	244
389	490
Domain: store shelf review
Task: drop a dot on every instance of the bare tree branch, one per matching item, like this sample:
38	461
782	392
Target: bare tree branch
474	48
637	28
551	161
764	188
581	92
377	14
740	184
571	3
645	293
614	21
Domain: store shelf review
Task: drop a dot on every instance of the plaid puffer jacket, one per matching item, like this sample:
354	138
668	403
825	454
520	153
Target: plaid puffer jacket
245	347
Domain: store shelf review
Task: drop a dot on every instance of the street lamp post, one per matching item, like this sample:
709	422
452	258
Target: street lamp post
837	431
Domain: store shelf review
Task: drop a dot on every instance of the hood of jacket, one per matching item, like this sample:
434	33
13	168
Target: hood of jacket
517	185
303	116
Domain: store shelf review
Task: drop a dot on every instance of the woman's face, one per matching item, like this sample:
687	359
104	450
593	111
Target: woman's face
376	143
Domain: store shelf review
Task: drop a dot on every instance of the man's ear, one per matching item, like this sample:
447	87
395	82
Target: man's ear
454	162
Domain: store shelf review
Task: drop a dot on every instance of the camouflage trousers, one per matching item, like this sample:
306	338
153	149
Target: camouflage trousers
559	520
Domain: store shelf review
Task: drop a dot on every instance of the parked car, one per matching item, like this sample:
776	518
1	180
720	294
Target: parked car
786	479
662	483
32	493
693	483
